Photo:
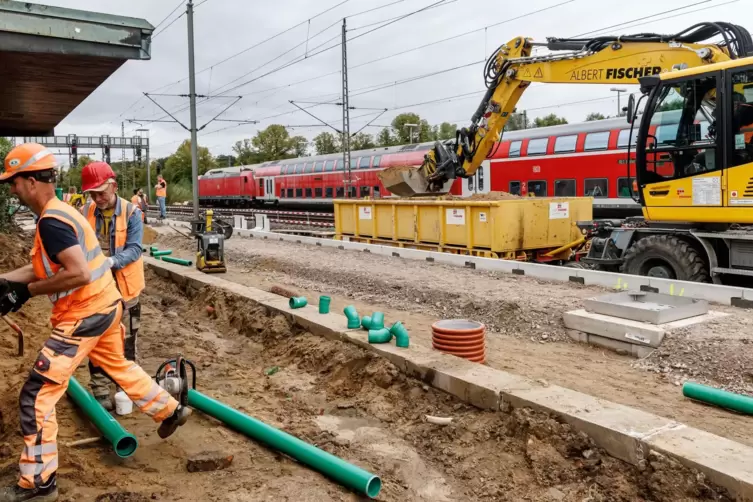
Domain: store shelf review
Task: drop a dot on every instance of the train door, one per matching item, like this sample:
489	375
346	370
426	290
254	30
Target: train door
267	189
480	182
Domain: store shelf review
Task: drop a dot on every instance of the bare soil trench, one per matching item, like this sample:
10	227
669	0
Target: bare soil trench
524	316
333	394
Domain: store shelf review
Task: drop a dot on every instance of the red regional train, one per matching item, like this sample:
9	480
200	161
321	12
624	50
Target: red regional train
585	159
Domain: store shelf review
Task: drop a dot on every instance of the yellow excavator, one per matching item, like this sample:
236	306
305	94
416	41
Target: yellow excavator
695	187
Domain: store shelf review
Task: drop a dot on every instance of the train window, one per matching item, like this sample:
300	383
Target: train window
352	192
596	188
319	167
261	184
309	167
537	146
299	168
329	165
318	193
376	161
364	163
622	139
299	192
515	149
365	191
290	193
537	188
470	183
376	190
328	192
308	193
480	176
515	187
623	187
563	188
353	163
597	141
340	192
562	144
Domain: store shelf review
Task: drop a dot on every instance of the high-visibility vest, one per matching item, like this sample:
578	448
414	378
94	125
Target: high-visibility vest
92	298
136	201
161	192
130	279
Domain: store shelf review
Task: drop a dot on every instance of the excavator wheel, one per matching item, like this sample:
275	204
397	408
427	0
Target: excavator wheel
665	257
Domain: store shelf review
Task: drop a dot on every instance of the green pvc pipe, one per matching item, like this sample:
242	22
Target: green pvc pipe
153	248
162	253
366	322
718	397
336	468
179	261
354	322
123	442
324	304
377	320
380	335
297	302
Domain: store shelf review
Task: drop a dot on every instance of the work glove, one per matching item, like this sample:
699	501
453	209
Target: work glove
110	261
13	295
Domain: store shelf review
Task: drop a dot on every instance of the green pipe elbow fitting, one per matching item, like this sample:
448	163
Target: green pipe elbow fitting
366	322
297	302
380	335
377	320
354	322
324	304
162	253
402	339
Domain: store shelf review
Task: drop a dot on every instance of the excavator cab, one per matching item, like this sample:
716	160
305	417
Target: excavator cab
694	159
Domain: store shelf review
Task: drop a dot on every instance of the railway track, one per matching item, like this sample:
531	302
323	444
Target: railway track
308	218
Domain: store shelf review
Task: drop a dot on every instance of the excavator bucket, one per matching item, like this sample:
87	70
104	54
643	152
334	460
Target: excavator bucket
406	181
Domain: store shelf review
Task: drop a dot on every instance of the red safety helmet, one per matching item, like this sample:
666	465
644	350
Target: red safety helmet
95	175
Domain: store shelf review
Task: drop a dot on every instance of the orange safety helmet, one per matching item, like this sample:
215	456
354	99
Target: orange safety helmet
95	174
27	158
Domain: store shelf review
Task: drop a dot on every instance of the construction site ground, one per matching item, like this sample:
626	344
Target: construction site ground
333	394
526	335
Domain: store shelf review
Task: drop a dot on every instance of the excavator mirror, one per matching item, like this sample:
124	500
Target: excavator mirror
631	108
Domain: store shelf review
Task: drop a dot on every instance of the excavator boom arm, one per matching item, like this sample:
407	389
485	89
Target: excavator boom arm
512	69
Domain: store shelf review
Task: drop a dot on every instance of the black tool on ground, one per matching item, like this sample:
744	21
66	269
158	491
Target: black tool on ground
19	333
172	376
210	245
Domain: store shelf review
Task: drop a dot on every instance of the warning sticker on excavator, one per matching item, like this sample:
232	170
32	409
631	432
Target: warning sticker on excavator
526	72
364	213
539	74
559	210
455	216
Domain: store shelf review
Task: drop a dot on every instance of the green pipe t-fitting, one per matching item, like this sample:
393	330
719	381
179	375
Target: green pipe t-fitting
297	302
380	335
402	339
366	322
377	320
354	322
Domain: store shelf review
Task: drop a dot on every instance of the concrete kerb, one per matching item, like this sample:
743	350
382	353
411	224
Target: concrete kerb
710	292
625	433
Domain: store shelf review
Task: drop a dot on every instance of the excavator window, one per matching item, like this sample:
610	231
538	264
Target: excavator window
679	146
741	139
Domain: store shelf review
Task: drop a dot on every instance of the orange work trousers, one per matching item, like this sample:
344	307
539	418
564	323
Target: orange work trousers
101	338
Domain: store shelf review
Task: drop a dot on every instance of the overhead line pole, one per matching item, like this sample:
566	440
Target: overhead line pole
346	113
192	97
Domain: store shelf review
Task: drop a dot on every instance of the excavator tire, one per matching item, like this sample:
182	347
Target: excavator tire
665	257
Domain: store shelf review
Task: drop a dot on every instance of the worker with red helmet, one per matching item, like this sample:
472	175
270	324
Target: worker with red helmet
119	227
69	267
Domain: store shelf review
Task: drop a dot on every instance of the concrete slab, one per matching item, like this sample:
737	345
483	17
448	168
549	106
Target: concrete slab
631	349
624	432
654	308
615	328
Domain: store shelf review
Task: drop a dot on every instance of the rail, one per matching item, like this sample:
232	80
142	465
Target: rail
317	219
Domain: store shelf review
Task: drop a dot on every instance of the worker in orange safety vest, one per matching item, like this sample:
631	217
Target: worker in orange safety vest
119	229
160	191
69	267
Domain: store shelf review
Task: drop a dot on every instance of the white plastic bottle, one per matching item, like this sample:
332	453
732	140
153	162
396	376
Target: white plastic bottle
123	405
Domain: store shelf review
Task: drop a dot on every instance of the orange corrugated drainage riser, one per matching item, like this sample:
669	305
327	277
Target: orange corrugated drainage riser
461	338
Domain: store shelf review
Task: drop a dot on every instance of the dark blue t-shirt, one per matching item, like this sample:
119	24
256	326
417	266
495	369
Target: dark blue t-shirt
57	236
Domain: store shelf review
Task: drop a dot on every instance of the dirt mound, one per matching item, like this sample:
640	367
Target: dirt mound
483	197
14	250
150	236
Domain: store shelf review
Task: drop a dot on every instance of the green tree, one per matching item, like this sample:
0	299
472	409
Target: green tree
517	122
362	141
403	132
275	143
245	154
386	138
178	165
5	220
225	160
549	120
325	143
672	104
446	131
300	146
595	116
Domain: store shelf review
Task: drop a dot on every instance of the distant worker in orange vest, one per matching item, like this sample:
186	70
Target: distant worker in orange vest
69	267
138	201
160	190
120	230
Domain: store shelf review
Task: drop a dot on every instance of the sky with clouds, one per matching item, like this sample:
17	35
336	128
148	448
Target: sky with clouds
378	79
